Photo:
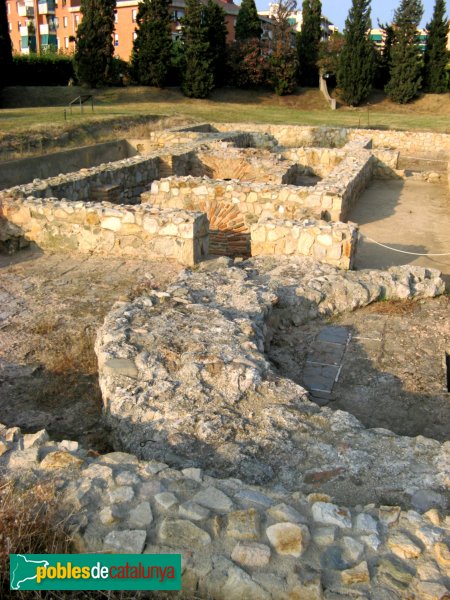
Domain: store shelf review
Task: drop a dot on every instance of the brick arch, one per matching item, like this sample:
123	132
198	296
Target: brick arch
228	232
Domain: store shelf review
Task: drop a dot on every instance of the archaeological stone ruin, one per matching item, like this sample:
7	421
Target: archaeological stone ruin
267	491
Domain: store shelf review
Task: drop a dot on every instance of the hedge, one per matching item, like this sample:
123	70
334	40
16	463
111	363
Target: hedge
51	69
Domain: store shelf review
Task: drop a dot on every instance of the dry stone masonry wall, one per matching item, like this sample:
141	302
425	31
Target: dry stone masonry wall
246	180
143	230
237	540
332	243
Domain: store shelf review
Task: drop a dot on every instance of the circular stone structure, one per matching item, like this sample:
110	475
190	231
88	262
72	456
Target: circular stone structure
185	380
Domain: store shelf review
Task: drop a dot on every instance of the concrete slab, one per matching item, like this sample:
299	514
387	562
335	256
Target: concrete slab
319	378
326	353
335	335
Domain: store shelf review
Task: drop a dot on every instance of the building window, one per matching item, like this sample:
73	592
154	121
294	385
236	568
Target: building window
77	20
116	17
177	15
9	26
9	8
65	21
66	42
134	15
116	39
134	35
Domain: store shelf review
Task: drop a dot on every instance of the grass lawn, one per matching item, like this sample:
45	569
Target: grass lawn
36	108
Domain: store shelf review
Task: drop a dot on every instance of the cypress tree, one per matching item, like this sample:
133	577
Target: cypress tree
405	71
384	58
216	34
153	44
5	47
308	41
436	57
198	77
94	46
248	25
357	60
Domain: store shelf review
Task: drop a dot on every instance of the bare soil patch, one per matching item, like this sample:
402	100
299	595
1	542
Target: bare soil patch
51	307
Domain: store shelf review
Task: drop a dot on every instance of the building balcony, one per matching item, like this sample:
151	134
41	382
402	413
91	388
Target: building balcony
25	11
46	8
26	31
47	29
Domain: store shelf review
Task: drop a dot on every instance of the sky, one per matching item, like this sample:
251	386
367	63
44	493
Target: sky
382	10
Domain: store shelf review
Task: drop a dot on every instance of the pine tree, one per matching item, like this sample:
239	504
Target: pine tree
436	57
153	44
357	61
405	71
198	78
248	24
5	47
308	41
94	46
216	34
283	64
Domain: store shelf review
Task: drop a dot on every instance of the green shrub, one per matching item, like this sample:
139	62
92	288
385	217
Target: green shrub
44	69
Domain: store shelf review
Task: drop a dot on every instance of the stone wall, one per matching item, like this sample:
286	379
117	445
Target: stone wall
332	243
337	193
238	541
293	136
131	176
24	170
63	225
418	143
321	160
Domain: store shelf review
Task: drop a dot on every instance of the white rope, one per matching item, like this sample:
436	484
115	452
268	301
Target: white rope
425	159
402	251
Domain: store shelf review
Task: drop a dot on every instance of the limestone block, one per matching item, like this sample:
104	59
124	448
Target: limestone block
288	538
111	223
305	243
150	224
243	524
125	542
251	554
61	460
168	230
325	239
184	534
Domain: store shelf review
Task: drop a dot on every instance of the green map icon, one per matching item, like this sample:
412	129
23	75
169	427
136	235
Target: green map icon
23	569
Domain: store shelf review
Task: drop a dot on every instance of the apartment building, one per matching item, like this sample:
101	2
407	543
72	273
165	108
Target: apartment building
296	20
36	25
378	36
